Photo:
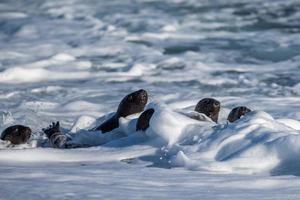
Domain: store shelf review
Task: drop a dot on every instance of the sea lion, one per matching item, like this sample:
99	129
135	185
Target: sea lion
237	113
210	107
17	134
132	103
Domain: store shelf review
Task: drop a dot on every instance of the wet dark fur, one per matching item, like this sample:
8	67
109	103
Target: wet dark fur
55	136
52	129
144	119
132	103
210	107
237	113
17	134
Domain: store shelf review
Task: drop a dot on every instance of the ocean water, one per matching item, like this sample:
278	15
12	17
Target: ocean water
74	60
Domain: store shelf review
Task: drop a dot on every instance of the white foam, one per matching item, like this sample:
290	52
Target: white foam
167	124
291	123
22	75
73	61
256	143
80	105
12	15
83	123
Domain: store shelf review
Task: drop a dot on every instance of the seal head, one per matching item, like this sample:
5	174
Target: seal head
17	134
210	107
134	102
237	113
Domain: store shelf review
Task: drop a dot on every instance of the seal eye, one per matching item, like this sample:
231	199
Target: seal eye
216	104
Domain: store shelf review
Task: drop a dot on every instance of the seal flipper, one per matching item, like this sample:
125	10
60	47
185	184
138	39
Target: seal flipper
109	124
55	136
144	120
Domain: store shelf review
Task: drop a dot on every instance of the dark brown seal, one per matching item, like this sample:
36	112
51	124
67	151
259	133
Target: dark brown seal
17	134
210	107
144	119
132	103
237	113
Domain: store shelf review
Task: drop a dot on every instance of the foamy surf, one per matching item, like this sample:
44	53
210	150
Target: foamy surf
73	61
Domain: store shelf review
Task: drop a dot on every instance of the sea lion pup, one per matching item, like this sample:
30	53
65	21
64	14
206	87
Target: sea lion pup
237	113
210	107
17	134
131	104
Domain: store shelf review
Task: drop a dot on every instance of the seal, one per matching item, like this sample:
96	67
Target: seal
237	112
210	107
17	134
133	103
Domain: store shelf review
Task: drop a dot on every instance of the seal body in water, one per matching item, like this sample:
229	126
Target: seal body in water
237	113
210	107
132	103
17	134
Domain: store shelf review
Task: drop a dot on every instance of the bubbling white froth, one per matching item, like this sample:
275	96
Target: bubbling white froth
73	61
